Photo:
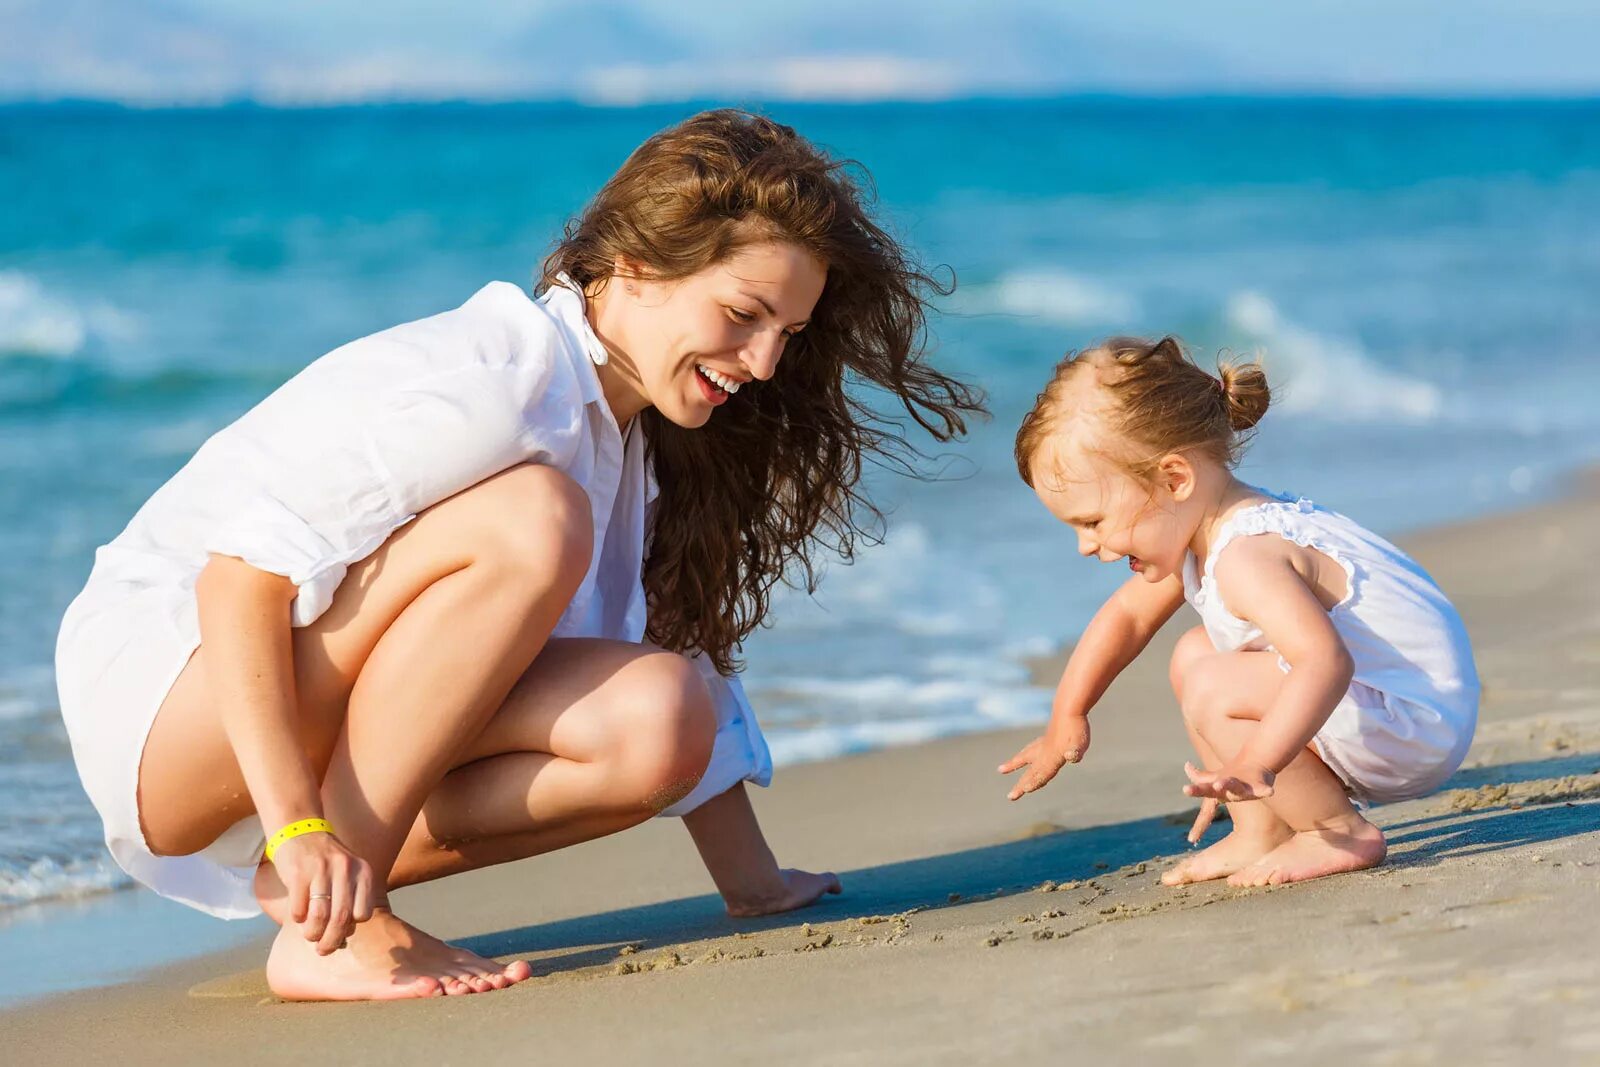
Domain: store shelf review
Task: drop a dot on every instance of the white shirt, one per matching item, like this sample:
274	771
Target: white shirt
320	474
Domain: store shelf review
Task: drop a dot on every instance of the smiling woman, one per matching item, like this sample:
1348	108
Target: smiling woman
736	243
401	621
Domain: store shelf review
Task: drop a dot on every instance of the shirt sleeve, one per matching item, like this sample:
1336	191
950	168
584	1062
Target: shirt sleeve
739	753
372	434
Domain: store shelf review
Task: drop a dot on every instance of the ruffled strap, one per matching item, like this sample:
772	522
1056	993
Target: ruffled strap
1292	518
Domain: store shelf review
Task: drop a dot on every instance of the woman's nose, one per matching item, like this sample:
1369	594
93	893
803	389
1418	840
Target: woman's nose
761	353
1087	546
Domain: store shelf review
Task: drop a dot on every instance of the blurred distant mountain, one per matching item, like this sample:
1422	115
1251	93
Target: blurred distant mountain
132	50
179	51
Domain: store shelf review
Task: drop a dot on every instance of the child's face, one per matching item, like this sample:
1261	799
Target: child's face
1116	516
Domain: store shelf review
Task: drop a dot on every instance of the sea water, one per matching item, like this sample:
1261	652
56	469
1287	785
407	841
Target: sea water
1420	277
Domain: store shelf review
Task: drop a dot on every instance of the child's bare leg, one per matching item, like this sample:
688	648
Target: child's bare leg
1329	835
1255	829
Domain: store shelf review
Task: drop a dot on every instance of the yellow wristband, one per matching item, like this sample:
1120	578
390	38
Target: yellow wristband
296	829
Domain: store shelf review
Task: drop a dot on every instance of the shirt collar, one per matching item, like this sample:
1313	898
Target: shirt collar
566	301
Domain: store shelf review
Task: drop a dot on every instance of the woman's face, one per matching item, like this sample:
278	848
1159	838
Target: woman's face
684	346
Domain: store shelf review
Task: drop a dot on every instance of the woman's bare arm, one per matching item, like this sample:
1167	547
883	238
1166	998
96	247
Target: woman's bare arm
746	873
245	630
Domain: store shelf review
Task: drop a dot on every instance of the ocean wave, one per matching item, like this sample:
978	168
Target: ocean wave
1049	294
27	882
902	584
1324	375
807	744
36	322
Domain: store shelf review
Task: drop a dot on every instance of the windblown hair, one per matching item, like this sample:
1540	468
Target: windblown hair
1153	399
747	500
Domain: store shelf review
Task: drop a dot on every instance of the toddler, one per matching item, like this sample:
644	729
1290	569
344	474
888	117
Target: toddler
1327	667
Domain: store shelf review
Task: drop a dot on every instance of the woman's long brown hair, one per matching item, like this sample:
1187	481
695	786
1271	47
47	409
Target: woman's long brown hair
747	500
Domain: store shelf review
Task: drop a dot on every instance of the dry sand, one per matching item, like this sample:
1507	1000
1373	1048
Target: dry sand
973	930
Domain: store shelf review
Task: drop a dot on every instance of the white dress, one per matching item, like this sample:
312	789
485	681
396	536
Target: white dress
318	476
1408	719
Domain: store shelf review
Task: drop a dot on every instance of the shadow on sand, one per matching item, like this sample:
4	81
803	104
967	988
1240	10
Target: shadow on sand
1018	866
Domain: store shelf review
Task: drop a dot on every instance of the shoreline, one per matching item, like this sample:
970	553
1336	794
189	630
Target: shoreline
942	942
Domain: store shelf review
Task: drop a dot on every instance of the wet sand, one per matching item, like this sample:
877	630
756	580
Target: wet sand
973	930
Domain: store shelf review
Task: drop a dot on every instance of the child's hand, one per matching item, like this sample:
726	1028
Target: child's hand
1044	756
1235	781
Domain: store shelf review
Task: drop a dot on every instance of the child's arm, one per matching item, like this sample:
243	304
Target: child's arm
1259	580
1116	635
746	873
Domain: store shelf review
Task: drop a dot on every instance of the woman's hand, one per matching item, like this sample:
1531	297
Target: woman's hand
736	855
330	888
792	889
1064	743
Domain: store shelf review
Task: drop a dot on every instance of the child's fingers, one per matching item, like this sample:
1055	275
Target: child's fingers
1019	760
1028	783
1202	821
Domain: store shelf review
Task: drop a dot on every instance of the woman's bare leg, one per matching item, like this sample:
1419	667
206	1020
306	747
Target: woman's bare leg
597	736
1255	830
419	650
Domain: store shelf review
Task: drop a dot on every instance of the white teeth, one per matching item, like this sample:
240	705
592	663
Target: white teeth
721	381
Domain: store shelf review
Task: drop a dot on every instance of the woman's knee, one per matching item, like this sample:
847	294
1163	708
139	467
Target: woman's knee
531	520
666	730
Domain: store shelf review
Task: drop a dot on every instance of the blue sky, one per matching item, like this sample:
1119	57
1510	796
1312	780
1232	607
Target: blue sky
317	50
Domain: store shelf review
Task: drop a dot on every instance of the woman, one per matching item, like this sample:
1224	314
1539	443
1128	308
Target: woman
399	620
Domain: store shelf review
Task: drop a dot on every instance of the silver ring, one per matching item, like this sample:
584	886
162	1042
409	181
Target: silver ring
321	896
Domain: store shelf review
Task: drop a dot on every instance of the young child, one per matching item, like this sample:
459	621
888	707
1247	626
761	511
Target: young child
1328	665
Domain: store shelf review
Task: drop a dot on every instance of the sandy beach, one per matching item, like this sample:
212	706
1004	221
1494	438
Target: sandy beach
976	931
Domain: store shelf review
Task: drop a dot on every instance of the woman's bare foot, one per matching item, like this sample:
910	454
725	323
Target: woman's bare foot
385	959
794	889
1233	853
1352	846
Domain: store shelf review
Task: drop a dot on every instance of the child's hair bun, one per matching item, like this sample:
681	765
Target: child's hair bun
1245	391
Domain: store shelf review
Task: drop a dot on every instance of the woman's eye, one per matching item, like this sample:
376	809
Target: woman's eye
741	316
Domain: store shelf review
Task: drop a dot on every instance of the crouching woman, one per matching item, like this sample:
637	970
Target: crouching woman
471	589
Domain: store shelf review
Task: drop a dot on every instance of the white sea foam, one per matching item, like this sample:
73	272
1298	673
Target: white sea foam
48	879
1049	294
906	584
791	745
1327	376
36	322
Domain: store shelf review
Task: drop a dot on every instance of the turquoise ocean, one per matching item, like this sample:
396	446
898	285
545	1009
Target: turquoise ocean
1422	278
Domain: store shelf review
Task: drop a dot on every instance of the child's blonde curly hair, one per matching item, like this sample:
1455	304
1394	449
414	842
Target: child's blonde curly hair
1154	398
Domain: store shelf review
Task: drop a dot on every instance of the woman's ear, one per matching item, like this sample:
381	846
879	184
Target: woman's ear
627	271
1177	475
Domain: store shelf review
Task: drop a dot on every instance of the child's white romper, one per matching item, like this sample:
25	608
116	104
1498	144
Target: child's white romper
1407	721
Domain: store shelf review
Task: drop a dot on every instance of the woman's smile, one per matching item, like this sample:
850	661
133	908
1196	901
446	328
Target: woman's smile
714	394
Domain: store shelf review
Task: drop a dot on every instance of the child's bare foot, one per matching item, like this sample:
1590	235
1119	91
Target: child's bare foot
385	959
1354	846
1233	853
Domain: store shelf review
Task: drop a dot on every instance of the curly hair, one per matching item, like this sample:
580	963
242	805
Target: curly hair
725	533
1160	401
